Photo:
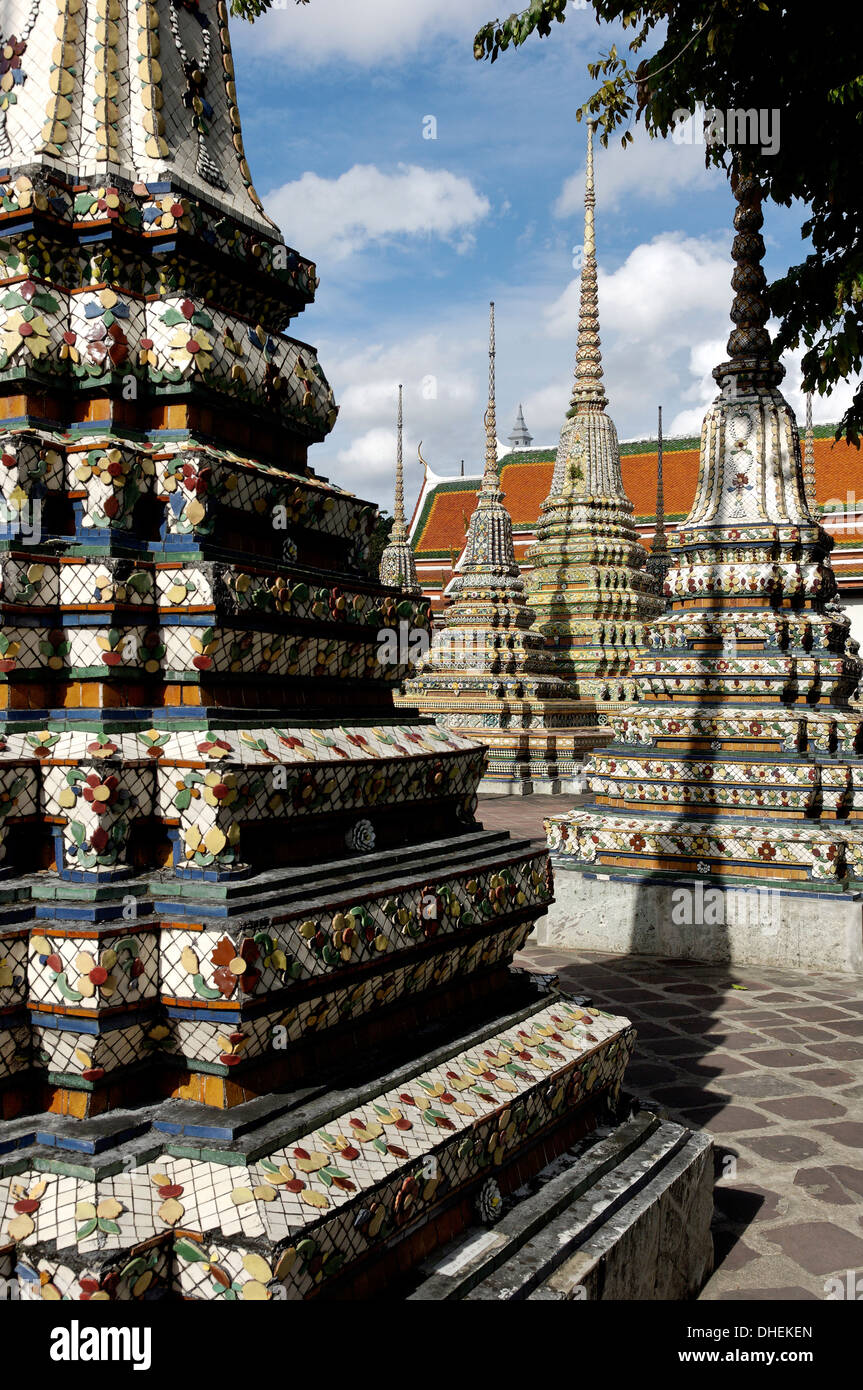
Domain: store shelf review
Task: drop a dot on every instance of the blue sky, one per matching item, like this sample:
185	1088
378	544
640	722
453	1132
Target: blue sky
413	236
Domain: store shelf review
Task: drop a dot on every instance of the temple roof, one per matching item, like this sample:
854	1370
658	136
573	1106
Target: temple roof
445	505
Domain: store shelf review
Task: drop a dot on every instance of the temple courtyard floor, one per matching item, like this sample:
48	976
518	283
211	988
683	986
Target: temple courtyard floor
770	1063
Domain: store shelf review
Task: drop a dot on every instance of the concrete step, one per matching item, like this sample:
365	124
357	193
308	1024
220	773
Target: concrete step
566	1241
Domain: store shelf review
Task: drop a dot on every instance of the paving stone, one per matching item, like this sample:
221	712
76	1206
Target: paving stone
798	1035
819	1246
755	1019
731	1253
778	998
738	1041
666	1008
673	1047
824	1076
648	1073
804	1108
814	1012
777	1057
691	987
824	1186
737	1119
847	1132
756	1084
746	1204
715	1064
692	1096
654	1030
632	995
839	1051
852	1178
785	1148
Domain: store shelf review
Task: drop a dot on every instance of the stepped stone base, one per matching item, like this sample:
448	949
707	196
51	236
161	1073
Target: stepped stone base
335	1189
628	1219
701	919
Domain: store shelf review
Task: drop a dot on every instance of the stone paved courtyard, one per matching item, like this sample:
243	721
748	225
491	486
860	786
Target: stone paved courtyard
770	1062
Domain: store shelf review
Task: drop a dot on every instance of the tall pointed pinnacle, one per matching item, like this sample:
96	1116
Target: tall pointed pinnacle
398	531
659	540
809	457
659	560
491	476
489	549
397	565
588	392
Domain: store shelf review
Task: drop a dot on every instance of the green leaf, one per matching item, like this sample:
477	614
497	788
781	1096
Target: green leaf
191	1253
203	990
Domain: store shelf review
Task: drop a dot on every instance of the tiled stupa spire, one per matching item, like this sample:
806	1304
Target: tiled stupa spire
739	762
487	643
809	458
589	586
487	672
242	898
398	567
659	560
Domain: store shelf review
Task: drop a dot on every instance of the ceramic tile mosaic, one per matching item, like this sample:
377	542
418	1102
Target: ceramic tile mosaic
742	757
230	865
302	1213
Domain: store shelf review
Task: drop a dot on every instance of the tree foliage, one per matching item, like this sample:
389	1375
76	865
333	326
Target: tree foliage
751	55
747	56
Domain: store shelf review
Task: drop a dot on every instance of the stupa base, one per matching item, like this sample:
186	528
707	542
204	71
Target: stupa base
332	1190
706	919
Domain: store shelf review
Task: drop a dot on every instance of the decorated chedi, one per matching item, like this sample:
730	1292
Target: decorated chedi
589	587
739	766
487	673
659	560
397	567
231	873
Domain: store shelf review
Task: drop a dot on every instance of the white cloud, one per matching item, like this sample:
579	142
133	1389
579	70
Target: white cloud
358	32
655	170
664	317
669	293
442	372
655	292
372	457
702	388
340	216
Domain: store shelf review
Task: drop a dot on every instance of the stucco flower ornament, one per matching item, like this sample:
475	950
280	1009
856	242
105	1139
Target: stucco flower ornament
489	1203
192	343
361	837
25	327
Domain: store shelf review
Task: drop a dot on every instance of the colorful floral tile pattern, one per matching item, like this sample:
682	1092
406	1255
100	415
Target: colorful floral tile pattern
286	1224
